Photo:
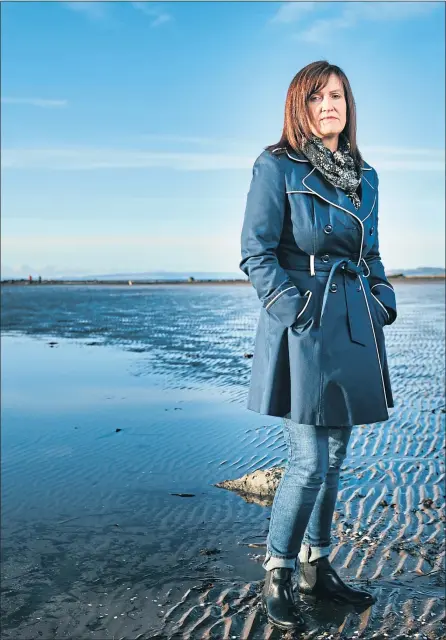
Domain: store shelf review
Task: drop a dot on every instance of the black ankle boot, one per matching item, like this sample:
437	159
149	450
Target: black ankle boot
318	578
278	600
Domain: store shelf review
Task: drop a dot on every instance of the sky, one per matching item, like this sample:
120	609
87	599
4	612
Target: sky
129	129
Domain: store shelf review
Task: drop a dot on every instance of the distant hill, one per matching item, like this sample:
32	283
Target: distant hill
419	271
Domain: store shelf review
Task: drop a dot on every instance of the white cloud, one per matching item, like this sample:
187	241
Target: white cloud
437	154
70	241
36	102
96	11
88	159
323	30
292	11
167	137
354	12
409	165
154	11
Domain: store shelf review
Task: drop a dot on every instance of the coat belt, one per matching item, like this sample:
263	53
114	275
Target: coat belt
354	296
354	292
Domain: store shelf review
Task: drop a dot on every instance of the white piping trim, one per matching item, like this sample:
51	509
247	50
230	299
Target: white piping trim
374	337
379	302
278	296
293	158
312	193
365	262
310	293
312	271
339	207
382	284
371	210
367	180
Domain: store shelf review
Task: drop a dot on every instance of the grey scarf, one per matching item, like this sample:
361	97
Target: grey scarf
338	167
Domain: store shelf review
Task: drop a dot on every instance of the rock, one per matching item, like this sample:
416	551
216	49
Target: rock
209	552
261	483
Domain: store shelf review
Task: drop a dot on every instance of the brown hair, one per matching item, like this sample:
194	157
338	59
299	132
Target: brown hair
296	130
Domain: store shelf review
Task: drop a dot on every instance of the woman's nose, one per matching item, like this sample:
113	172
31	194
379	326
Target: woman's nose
326	104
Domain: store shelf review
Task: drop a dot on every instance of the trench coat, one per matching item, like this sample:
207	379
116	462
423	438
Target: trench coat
314	261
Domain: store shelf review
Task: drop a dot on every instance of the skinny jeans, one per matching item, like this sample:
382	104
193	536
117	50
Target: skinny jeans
305	499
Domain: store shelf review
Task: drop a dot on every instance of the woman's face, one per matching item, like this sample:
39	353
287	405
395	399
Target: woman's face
329	101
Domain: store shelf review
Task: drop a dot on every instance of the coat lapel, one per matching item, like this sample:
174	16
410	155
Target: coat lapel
315	182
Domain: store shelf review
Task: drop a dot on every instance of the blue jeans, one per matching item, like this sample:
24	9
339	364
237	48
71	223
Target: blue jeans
305	498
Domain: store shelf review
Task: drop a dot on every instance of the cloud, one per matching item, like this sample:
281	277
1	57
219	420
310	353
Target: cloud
36	102
153	11
96	11
194	140
323	30
90	159
437	154
292	11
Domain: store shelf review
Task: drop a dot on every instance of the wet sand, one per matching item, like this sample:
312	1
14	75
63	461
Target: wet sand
96	440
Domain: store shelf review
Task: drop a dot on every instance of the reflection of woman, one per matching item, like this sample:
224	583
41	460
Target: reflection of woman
310	248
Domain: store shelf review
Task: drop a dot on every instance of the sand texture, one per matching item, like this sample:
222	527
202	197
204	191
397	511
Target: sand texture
135	494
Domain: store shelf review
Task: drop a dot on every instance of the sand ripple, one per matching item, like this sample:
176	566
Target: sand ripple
125	560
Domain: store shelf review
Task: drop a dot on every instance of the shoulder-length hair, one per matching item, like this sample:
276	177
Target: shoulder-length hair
309	80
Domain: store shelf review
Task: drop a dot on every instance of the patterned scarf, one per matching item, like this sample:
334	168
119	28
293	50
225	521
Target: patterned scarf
338	167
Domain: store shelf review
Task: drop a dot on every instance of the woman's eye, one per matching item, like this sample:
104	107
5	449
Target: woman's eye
312	98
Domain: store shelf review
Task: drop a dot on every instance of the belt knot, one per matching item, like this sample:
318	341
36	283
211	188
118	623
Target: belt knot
352	267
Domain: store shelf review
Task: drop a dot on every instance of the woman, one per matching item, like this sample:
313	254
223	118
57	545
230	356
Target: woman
310	248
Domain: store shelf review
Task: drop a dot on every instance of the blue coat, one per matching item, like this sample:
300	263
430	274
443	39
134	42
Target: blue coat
314	262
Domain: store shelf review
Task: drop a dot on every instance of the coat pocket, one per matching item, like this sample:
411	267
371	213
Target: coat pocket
305	316
380	311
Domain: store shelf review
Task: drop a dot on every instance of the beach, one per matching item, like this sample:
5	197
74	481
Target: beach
123	409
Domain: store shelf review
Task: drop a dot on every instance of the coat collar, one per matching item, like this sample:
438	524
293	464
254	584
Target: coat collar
316	183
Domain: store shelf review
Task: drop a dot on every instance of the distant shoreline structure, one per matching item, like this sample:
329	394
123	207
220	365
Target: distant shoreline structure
398	277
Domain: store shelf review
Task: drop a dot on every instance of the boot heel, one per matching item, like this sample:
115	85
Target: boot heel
278	601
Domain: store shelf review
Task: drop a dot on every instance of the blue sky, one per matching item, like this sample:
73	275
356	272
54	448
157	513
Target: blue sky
129	129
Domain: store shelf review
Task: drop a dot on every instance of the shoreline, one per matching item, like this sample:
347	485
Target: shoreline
134	283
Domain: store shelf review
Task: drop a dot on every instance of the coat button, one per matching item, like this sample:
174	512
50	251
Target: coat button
372	229
333	286
328	228
325	257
